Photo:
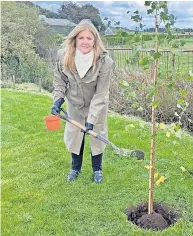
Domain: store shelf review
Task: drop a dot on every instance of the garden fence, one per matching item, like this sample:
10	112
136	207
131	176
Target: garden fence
170	62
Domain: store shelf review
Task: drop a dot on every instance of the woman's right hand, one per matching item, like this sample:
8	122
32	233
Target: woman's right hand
56	108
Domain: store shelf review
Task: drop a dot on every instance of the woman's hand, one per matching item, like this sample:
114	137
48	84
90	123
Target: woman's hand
88	126
56	108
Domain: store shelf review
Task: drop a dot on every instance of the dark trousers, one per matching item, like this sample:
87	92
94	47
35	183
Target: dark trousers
77	160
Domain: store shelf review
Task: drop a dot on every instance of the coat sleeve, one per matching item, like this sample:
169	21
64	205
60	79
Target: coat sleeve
101	96
60	80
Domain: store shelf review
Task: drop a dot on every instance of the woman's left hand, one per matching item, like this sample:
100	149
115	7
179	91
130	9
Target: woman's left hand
88	126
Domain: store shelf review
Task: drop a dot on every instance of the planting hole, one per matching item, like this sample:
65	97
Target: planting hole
160	219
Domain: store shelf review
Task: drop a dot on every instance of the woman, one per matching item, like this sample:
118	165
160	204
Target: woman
82	78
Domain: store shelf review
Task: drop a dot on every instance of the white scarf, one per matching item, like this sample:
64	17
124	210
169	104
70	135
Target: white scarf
83	62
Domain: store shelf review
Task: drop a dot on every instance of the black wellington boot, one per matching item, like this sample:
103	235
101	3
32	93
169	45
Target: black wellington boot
98	176
73	175
97	168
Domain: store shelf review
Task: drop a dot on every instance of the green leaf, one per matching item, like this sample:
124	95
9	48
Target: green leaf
172	19
133	84
125	83
140	109
155	104
157	55
189	78
183	92
167	26
176	127
161	75
146	67
181	101
136	12
162	125
168	134
163	4
149	11
147	3
182	42
137	54
152	91
190	72
170	84
135	105
144	61
154	5
140	26
131	95
163	16
175	45
136	18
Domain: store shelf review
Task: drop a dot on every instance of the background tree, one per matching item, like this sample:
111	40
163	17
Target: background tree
75	13
19	27
42	11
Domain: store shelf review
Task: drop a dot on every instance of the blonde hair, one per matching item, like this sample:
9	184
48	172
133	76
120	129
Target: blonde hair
70	44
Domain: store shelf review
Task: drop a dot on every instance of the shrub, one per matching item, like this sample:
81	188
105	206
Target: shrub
47	82
138	101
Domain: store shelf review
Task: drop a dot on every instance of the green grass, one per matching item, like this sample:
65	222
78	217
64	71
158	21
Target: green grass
37	199
127	42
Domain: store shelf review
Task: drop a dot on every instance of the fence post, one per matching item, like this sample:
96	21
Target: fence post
13	78
173	66
40	85
173	60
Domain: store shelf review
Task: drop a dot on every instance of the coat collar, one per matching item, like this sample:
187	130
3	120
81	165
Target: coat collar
67	72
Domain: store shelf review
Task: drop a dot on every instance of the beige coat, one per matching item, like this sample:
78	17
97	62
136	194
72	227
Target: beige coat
87	100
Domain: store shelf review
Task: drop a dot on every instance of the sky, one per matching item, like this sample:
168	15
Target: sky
117	10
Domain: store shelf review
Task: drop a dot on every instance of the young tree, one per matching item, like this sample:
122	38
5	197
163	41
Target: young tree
160	12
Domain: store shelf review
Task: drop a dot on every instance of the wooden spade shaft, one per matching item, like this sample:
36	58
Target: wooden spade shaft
123	152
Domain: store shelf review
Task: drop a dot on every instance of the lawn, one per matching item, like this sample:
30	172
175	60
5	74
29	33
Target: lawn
133	39
37	199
